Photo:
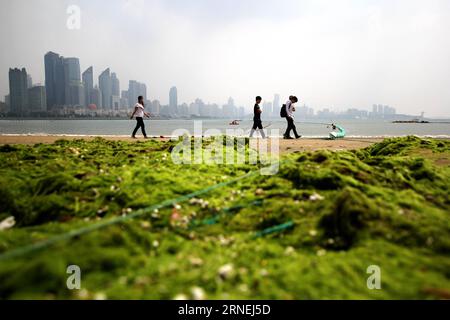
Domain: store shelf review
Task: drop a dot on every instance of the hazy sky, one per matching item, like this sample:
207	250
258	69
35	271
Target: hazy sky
331	53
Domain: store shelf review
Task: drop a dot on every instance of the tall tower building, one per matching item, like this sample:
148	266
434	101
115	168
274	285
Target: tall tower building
88	85
96	97
267	108
29	81
276	105
36	99
18	91
173	100
136	89
105	85
115	85
72	79
54	79
143	90
115	88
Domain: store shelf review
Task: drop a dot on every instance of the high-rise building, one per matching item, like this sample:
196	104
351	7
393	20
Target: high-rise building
73	88
115	89
3	108
183	109
7	102
29	81
173	101
124	103
115	85
115	102
375	109
105	85
267	109
96	97
136	89
88	84
200	106
276	105
37	101
230	110
18	91
143	90
194	108
54	80
380	109
155	108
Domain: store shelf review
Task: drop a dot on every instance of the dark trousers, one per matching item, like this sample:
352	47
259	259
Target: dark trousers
140	124
291	126
257	124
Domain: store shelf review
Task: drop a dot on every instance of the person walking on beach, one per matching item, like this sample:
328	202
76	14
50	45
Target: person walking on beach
290	109
257	123
139	112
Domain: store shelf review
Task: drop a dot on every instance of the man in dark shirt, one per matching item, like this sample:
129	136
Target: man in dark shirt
257	123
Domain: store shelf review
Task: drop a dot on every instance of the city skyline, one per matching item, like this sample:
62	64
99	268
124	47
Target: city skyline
71	67
78	89
330	54
71	90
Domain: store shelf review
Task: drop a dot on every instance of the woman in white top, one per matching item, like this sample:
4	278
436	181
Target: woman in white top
290	109
139	112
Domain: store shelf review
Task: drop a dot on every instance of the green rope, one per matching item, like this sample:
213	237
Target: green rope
14	253
226	211
274	229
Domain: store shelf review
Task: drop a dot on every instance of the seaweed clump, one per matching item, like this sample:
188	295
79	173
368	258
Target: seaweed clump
348	218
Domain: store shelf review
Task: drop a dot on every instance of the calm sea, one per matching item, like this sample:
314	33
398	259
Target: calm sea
354	128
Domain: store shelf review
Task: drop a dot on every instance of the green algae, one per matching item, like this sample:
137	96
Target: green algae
385	205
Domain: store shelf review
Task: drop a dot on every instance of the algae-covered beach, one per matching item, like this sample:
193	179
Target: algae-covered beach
312	231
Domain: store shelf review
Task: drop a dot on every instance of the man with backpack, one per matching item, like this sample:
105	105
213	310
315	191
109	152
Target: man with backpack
287	111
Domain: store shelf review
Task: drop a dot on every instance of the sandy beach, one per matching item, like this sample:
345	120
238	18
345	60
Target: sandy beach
286	146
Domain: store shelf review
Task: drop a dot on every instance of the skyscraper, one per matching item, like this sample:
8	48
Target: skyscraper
54	80
29	81
96	97
375	109
115	88
105	85
18	91
136	89
73	88
115	85
229	110
36	99
7	102
143	90
276	105
173	100
267	109
155	108
88	85
124	102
